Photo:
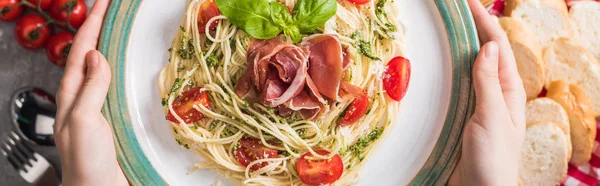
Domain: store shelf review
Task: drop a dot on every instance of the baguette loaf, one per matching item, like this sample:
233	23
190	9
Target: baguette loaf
544	155
528	54
567	60
585	19
581	117
548	19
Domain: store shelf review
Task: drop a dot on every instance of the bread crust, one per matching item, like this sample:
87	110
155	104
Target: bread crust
528	54
581	116
566	60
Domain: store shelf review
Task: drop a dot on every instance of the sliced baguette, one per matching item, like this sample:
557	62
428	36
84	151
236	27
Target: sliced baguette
548	19
581	117
567	60
528	54
585	20
548	110
544	155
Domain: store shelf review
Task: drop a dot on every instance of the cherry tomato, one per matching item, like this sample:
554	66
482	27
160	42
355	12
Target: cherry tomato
32	31
319	172
208	10
46	4
58	48
359	2
10	10
251	150
184	106
396	78
78	9
355	111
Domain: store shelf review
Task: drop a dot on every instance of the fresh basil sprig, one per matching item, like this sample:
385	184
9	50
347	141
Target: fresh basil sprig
265	19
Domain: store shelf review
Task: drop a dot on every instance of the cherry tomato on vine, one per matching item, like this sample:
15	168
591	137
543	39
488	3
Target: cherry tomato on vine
355	111
10	10
359	2
396	77
78	9
58	48
208	10
184	106
32	31
45	4
319	172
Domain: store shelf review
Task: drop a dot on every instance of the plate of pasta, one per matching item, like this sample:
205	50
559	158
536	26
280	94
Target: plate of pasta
288	92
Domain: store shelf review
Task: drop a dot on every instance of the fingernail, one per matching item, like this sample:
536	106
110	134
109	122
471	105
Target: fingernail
491	50
92	59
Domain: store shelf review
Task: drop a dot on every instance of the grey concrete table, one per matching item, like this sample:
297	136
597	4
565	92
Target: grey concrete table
19	68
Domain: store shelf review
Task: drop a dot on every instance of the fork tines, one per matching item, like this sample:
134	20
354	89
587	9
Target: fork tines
18	152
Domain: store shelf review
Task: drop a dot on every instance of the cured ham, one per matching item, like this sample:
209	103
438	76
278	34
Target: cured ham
300	78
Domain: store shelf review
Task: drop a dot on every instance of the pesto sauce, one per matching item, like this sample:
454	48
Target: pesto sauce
364	142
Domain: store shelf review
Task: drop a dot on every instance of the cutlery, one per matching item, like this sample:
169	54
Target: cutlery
33	111
32	167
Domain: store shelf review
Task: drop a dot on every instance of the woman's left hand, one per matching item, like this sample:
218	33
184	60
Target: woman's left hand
83	137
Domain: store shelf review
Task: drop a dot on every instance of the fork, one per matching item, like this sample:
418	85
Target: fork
31	166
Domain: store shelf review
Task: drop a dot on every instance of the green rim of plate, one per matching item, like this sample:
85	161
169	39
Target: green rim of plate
464	46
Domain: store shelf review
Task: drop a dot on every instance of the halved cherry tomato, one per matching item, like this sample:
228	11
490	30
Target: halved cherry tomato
32	31
359	2
251	150
396	78
10	10
58	48
78	9
208	10
184	106
318	172
355	111
45	4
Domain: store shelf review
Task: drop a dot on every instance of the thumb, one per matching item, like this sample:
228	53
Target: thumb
487	83
95	87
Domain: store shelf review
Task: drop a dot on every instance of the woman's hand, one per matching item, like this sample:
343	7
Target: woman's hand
83	137
493	136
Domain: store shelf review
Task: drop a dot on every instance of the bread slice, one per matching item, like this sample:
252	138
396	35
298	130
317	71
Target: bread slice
528	54
585	21
548	19
544	155
581	117
548	110
567	60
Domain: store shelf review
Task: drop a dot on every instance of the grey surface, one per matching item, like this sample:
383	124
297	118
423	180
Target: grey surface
20	67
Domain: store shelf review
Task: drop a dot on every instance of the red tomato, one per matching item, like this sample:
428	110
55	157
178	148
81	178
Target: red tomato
355	111
78	9
319	172
10	10
251	150
46	4
396	78
58	48
32	31
359	2
208	10
184	106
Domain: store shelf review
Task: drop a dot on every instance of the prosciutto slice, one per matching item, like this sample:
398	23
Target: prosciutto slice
302	78
326	58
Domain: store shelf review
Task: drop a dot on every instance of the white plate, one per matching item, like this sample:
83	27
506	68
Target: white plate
137	48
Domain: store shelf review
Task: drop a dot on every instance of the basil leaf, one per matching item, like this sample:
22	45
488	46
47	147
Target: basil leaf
253	16
293	32
312	14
